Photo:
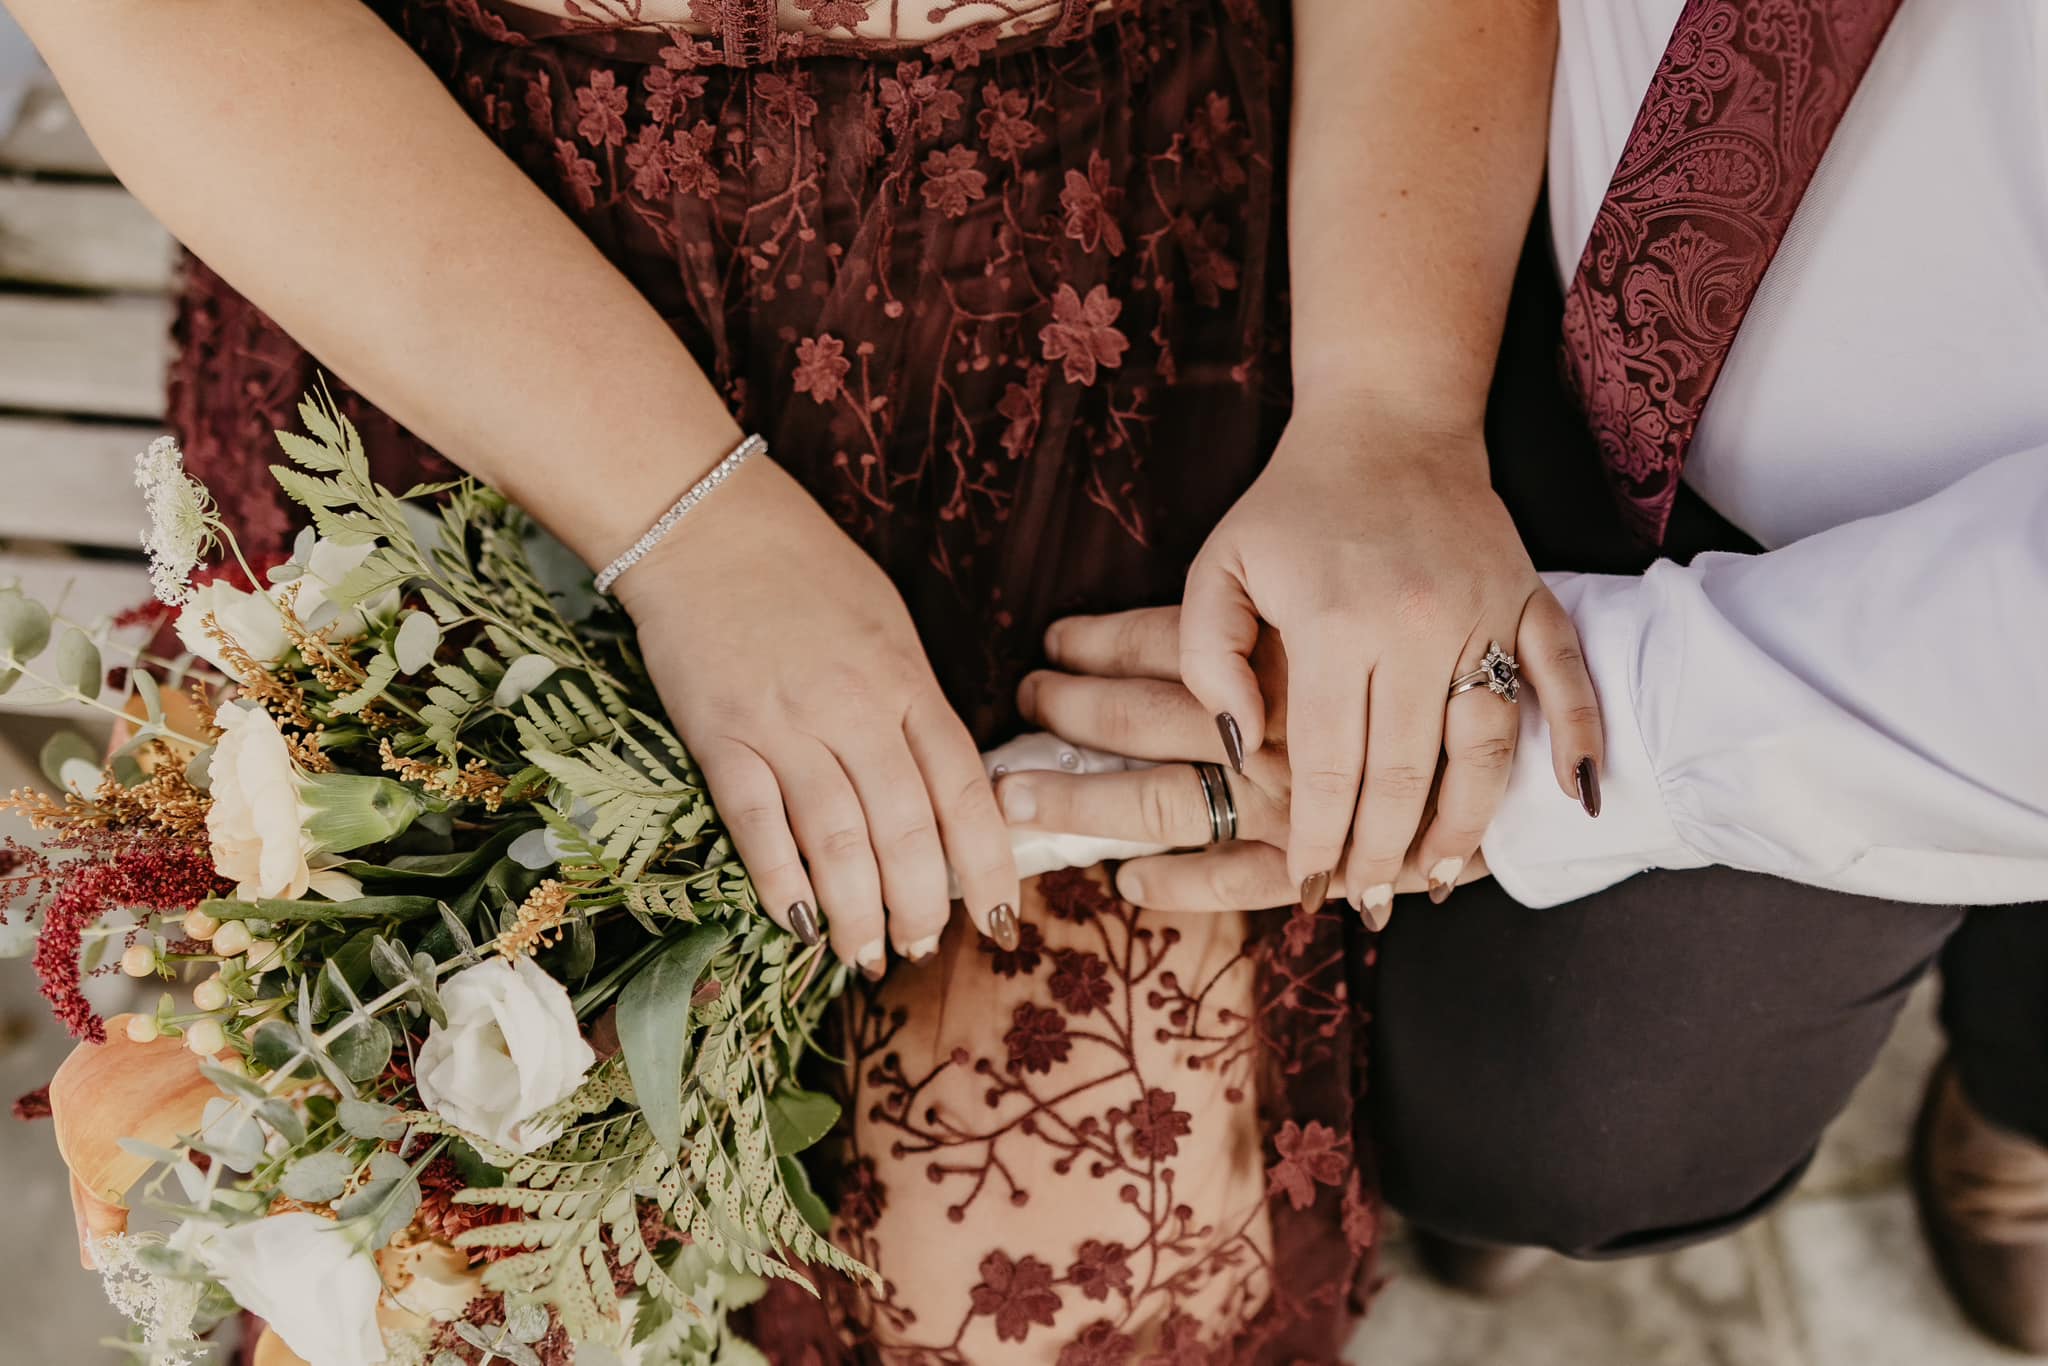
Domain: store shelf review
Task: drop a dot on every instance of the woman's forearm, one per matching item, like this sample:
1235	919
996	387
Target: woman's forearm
307	155
1418	145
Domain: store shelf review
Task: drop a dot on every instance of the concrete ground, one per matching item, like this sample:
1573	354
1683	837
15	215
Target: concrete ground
1838	1276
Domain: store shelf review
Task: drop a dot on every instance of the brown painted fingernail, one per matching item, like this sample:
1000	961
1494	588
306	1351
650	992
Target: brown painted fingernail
1233	740
1589	785
1002	927
1315	890
1376	906
1443	879
803	922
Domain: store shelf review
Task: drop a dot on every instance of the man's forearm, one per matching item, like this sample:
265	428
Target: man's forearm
1418	145
1856	710
310	157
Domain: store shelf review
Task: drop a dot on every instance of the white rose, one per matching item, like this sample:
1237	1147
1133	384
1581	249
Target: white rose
251	620
257	823
510	1050
306	1279
326	564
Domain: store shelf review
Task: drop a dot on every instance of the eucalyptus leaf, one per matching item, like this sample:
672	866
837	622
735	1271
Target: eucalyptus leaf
136	1147
369	1119
522	676
363	1049
78	663
274	1045
199	772
151	695
391	1203
579	954
317	1179
389	962
232	1083
24	626
419	635
797	1119
653	1022
62	756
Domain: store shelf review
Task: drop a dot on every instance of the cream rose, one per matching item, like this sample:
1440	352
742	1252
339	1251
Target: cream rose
302	1275
510	1050
326	564
256	621
257	824
252	620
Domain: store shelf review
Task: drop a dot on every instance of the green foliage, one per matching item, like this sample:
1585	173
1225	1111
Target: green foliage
487	700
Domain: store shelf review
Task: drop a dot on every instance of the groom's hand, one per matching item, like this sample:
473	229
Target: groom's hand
1116	687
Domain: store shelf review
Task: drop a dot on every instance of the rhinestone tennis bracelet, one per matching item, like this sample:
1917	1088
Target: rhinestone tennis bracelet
751	446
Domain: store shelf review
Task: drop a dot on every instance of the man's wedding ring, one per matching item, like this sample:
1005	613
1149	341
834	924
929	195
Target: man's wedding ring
1496	673
1222	805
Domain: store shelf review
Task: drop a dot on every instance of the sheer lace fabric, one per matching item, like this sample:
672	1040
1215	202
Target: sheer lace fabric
1010	308
879	22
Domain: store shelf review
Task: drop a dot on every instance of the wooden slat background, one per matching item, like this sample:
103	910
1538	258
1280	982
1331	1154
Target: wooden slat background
47	140
73	481
85	312
81	236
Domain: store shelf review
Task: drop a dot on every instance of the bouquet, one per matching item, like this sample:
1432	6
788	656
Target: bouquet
486	1055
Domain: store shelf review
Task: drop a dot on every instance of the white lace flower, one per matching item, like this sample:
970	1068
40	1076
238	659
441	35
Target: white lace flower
163	1307
181	520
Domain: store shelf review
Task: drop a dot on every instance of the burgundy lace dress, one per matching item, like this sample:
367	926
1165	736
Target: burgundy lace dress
1009	305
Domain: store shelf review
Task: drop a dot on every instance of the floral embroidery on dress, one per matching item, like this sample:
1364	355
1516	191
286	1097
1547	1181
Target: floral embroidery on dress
1026	372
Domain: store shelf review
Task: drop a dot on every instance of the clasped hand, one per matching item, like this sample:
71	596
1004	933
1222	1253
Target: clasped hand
1323	624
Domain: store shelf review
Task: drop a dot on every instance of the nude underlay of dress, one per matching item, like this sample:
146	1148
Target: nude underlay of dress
909	22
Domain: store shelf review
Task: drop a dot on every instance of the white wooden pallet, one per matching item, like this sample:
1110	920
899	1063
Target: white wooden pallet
85	313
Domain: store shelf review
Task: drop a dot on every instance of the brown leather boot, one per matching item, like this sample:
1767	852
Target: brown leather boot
1484	1269
1983	1196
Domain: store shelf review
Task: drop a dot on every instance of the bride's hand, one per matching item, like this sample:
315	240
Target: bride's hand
1378	550
1114	688
792	671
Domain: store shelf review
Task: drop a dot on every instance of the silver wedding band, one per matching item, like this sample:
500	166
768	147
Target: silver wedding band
1497	673
1222	805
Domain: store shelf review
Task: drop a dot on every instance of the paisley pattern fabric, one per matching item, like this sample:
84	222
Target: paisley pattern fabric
1742	106
1012	311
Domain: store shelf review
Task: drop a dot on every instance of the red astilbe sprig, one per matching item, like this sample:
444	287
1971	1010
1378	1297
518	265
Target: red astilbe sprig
114	870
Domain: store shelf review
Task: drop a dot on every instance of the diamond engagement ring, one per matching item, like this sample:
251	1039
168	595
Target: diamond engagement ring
1496	673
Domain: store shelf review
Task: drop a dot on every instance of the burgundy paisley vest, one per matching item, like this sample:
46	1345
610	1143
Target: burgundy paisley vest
1743	104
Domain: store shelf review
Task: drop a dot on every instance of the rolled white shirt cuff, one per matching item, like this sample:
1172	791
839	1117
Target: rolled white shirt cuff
1542	847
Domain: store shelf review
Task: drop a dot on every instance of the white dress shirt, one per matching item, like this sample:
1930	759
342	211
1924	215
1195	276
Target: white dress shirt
1865	705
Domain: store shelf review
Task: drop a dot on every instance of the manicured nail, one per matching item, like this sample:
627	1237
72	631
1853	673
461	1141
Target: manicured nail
1233	740
1589	785
1443	879
870	961
803	922
921	949
1315	889
1002	927
1376	906
1020	804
